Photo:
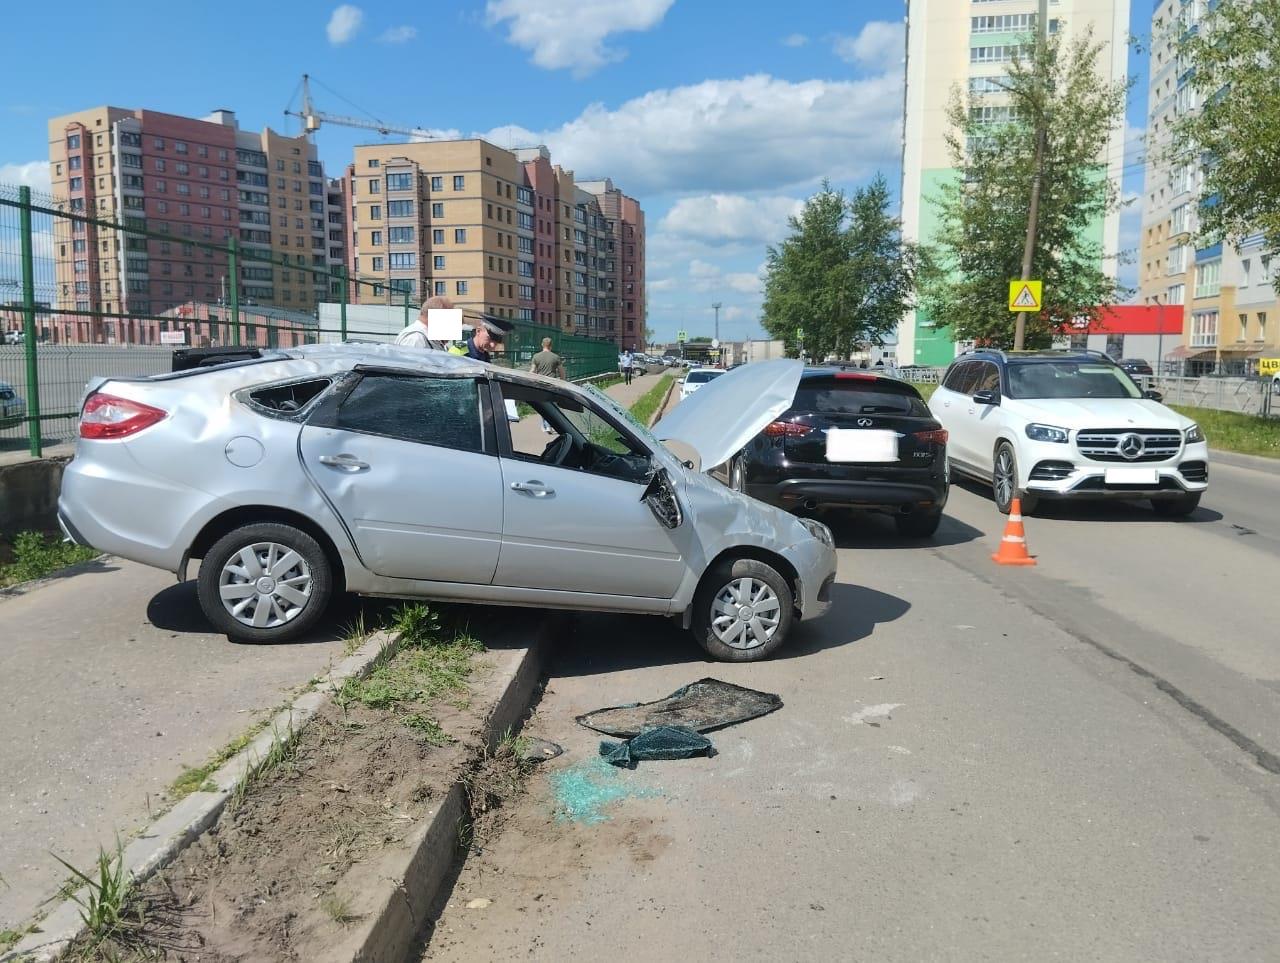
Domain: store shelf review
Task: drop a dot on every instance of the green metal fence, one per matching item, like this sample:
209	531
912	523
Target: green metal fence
51	345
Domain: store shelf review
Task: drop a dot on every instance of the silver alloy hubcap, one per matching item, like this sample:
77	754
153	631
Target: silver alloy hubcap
265	585
745	613
1004	477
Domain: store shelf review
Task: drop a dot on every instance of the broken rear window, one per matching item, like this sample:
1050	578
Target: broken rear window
286	400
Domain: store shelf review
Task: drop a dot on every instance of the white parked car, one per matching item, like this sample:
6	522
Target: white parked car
1061	424
696	378
13	409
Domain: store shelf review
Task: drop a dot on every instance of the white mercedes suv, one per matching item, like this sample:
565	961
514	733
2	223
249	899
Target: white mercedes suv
1067	424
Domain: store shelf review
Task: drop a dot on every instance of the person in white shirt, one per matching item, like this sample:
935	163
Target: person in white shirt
415	334
626	364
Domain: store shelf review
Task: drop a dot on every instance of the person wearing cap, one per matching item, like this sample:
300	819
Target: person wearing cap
415	334
489	332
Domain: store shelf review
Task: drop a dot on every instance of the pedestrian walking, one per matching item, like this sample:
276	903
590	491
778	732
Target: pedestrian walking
626	364
547	363
415	334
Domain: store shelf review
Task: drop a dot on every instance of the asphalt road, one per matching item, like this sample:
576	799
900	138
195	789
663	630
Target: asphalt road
1075	761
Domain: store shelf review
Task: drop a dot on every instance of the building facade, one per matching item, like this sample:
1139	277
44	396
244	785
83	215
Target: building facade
1223	295
197	183
967	44
505	232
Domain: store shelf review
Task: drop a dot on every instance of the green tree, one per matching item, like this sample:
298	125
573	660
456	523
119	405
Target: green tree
979	245
844	275
1235	134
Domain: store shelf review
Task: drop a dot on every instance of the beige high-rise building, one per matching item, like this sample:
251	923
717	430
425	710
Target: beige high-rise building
499	231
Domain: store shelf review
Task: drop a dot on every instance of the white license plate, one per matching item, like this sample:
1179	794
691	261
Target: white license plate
850	444
1132	476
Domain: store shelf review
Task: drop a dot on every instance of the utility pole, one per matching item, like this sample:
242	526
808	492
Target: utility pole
717	306
1033	209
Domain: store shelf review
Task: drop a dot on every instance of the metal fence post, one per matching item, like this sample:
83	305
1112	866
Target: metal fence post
406	309
35	442
342	309
233	268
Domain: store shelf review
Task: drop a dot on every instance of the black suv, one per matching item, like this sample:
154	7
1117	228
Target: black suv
851	439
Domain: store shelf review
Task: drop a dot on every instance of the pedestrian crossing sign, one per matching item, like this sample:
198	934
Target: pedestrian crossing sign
1025	295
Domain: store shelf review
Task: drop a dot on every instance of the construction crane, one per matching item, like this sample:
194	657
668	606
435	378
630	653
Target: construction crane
312	118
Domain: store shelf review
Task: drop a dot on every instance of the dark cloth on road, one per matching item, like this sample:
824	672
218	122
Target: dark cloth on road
702	706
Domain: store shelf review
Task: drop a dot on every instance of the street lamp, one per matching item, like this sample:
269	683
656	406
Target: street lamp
717	306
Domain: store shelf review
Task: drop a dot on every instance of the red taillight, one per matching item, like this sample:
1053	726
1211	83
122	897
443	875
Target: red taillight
855	376
107	416
938	436
786	429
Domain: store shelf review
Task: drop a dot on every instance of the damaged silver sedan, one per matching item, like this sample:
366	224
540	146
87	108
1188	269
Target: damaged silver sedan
390	472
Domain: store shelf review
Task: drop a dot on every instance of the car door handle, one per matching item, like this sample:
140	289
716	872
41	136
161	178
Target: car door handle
344	462
534	488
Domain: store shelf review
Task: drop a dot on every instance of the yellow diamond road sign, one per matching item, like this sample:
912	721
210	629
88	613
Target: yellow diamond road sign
1025	295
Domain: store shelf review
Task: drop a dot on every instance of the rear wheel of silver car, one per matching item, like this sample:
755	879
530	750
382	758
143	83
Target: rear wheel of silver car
743	611
1176	507
266	582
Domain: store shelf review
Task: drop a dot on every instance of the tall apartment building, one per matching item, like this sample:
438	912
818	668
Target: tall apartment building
193	181
968	44
1223	294
501	231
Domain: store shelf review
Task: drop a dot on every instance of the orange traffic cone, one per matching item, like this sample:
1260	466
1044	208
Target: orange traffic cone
1013	546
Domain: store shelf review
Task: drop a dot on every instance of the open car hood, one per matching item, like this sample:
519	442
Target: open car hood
723	415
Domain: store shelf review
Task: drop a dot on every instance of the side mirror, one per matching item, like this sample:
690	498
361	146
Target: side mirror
1152	394
987	397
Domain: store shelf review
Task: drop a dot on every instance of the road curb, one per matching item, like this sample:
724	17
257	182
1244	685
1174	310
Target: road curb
429	853
172	832
1257	462
661	409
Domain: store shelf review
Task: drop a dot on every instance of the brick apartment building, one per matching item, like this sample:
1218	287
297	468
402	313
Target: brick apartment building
194	181
501	231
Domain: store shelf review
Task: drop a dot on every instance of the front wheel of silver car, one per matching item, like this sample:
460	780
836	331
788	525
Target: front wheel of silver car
265	582
742	611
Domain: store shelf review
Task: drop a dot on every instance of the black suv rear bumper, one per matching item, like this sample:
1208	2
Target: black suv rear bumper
850	493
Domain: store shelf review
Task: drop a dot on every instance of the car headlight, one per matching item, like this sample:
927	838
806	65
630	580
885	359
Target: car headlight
1194	434
1047	433
819	531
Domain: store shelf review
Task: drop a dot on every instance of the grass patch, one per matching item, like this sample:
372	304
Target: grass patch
198	777
926	391
338	909
1231	431
431	664
644	408
35	555
103	909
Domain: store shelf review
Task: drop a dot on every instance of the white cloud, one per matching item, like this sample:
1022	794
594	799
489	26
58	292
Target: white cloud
398	34
706	277
878	45
752	133
571	33
344	24
795	40
32	174
701	269
730	218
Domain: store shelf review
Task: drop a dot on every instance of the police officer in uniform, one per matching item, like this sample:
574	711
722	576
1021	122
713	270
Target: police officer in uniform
488	333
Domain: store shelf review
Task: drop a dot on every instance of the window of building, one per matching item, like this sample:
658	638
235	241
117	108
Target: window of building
400	235
399	182
1245	266
404	260
375	186
1204	329
1244	327
377	264
375	212
373	162
438	262
77	183
1181	218
437	183
440	288
460	287
399	208
1208	279
375	238
437	236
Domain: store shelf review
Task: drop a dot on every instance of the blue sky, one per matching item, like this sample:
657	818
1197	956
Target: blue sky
719	116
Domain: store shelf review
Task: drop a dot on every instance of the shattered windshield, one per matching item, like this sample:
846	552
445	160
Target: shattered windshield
629	418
